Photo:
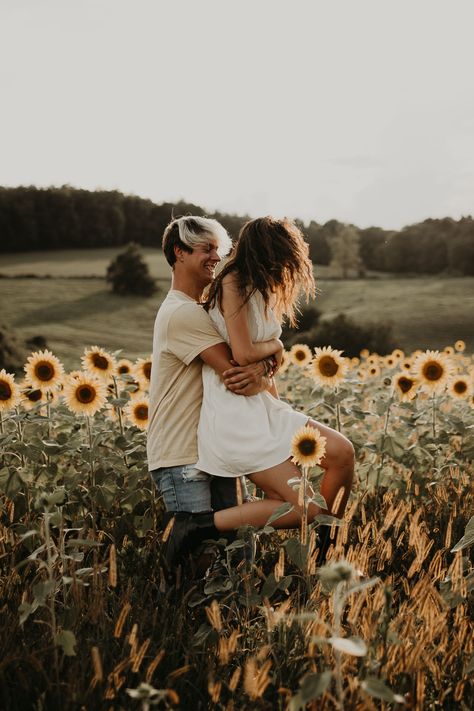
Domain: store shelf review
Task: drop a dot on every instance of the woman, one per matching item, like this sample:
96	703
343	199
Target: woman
268	268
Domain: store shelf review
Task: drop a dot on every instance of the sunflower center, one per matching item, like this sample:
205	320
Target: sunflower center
405	384
123	369
5	390
85	394
328	366
44	371
300	355
460	387
433	371
307	447
141	412
100	361
147	370
34	395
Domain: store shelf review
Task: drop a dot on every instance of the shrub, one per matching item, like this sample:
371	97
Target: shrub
351	337
129	273
12	352
346	335
307	321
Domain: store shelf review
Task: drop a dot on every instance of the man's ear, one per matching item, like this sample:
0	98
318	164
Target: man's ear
178	252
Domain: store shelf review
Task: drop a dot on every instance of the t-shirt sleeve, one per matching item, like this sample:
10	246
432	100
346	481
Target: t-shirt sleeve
191	331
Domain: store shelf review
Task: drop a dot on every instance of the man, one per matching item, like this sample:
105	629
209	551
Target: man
185	337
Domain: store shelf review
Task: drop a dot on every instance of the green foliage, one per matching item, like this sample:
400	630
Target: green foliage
129	273
12	353
65	217
342	333
77	504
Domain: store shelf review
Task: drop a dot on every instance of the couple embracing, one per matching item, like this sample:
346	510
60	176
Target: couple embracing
215	416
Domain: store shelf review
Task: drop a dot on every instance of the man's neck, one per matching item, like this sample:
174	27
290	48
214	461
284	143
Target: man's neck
186	287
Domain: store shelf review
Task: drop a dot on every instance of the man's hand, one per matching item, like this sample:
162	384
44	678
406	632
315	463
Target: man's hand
246	379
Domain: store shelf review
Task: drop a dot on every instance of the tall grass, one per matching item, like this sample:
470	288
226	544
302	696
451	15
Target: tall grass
88	620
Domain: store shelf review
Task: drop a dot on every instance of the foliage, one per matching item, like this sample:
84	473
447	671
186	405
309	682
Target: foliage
12	354
345	256
89	621
341	332
129	273
65	217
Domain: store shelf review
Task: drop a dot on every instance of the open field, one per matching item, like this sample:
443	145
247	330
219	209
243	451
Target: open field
77	311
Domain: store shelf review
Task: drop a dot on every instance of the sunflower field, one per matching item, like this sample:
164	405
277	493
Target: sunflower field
89	621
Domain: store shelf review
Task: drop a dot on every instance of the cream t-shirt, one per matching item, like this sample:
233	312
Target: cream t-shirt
182	331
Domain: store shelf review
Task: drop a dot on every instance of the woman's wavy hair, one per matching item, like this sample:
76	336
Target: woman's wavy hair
270	256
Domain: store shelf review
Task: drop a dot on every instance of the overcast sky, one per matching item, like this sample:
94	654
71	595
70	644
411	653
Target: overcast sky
359	110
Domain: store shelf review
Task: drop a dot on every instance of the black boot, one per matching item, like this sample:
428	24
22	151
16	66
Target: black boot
324	541
185	531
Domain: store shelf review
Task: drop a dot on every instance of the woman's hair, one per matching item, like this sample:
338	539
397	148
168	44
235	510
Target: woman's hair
191	231
270	256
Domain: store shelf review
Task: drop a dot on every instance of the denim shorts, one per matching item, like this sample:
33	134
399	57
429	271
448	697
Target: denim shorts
185	488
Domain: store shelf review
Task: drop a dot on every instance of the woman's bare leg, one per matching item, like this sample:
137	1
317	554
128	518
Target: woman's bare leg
338	465
336	483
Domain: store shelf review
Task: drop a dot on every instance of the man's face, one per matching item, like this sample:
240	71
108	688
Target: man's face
202	261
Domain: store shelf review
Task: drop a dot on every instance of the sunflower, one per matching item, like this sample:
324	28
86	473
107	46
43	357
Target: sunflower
433	369
9	391
328	367
142	371
460	346
390	361
405	386
373	359
398	354
308	446
85	395
364	353
99	362
31	396
460	387
300	354
124	367
137	412
449	350
355	362
373	370
43	370
406	364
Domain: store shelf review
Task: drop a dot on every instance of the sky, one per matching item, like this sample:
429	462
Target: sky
357	110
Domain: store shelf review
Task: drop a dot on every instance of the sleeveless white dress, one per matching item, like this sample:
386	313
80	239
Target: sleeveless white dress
240	435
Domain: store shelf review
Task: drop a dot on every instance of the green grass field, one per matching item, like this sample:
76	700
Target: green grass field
77	311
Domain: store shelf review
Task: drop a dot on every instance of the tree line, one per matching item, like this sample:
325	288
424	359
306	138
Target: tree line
56	218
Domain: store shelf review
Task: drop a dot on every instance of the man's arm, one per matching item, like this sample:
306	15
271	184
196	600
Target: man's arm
242	380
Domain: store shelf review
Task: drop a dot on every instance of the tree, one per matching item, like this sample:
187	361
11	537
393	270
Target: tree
129	274
345	255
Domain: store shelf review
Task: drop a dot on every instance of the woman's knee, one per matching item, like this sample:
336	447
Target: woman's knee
339	450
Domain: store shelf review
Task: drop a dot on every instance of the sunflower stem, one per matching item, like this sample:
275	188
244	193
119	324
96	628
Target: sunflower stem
52	598
1	423
304	515
382	443
92	468
338	412
120	416
20	434
433	414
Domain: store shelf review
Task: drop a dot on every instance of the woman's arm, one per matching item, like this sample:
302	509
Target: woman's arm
244	350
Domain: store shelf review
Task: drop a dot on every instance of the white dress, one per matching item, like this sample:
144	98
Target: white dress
240	435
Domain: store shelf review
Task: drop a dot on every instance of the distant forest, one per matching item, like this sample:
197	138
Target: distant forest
57	218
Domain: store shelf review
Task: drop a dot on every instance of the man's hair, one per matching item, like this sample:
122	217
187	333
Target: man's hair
191	231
